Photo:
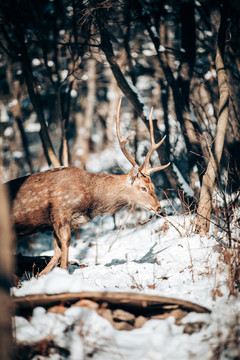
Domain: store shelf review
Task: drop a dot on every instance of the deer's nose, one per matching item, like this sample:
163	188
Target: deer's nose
159	209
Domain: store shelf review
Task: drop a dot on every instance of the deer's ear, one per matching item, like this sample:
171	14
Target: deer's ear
133	173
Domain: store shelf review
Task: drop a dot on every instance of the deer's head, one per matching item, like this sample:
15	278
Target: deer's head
141	189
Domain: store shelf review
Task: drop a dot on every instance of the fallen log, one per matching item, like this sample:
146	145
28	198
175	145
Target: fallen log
137	303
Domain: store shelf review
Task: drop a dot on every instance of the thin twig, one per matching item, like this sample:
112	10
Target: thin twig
163	217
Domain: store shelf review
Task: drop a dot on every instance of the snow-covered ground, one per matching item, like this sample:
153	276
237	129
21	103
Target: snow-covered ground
161	257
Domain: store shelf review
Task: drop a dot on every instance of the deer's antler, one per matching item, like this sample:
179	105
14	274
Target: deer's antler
122	142
145	167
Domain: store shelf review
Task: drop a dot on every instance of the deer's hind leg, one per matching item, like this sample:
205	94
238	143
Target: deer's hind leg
55	259
63	233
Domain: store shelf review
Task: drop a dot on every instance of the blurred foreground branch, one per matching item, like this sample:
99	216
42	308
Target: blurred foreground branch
6	271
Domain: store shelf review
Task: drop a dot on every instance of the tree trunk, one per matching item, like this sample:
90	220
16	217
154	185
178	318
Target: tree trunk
85	118
17	114
35	99
113	95
205	203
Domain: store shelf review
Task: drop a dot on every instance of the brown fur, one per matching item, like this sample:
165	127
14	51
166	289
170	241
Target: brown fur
64	199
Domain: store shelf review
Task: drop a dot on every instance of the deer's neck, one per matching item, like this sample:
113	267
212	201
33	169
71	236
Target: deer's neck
110	193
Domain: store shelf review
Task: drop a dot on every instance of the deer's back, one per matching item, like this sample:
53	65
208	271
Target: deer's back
41	199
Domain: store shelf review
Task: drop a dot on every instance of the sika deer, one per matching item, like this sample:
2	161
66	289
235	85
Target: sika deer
64	199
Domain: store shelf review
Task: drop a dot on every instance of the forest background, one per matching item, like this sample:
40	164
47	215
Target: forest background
64	65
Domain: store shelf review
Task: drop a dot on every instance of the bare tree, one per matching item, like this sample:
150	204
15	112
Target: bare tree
205	203
18	48
90	108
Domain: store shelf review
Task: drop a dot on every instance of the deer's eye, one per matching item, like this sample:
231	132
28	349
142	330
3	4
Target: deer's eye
143	189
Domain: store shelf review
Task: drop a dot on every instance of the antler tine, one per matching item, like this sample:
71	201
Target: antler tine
145	167
122	142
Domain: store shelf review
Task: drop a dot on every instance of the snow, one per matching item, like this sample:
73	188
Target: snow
50	63
4	115
74	93
14	102
8	131
208	75
188	190
64	74
161	48
162	257
154	31
149	52
36	62
32	127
